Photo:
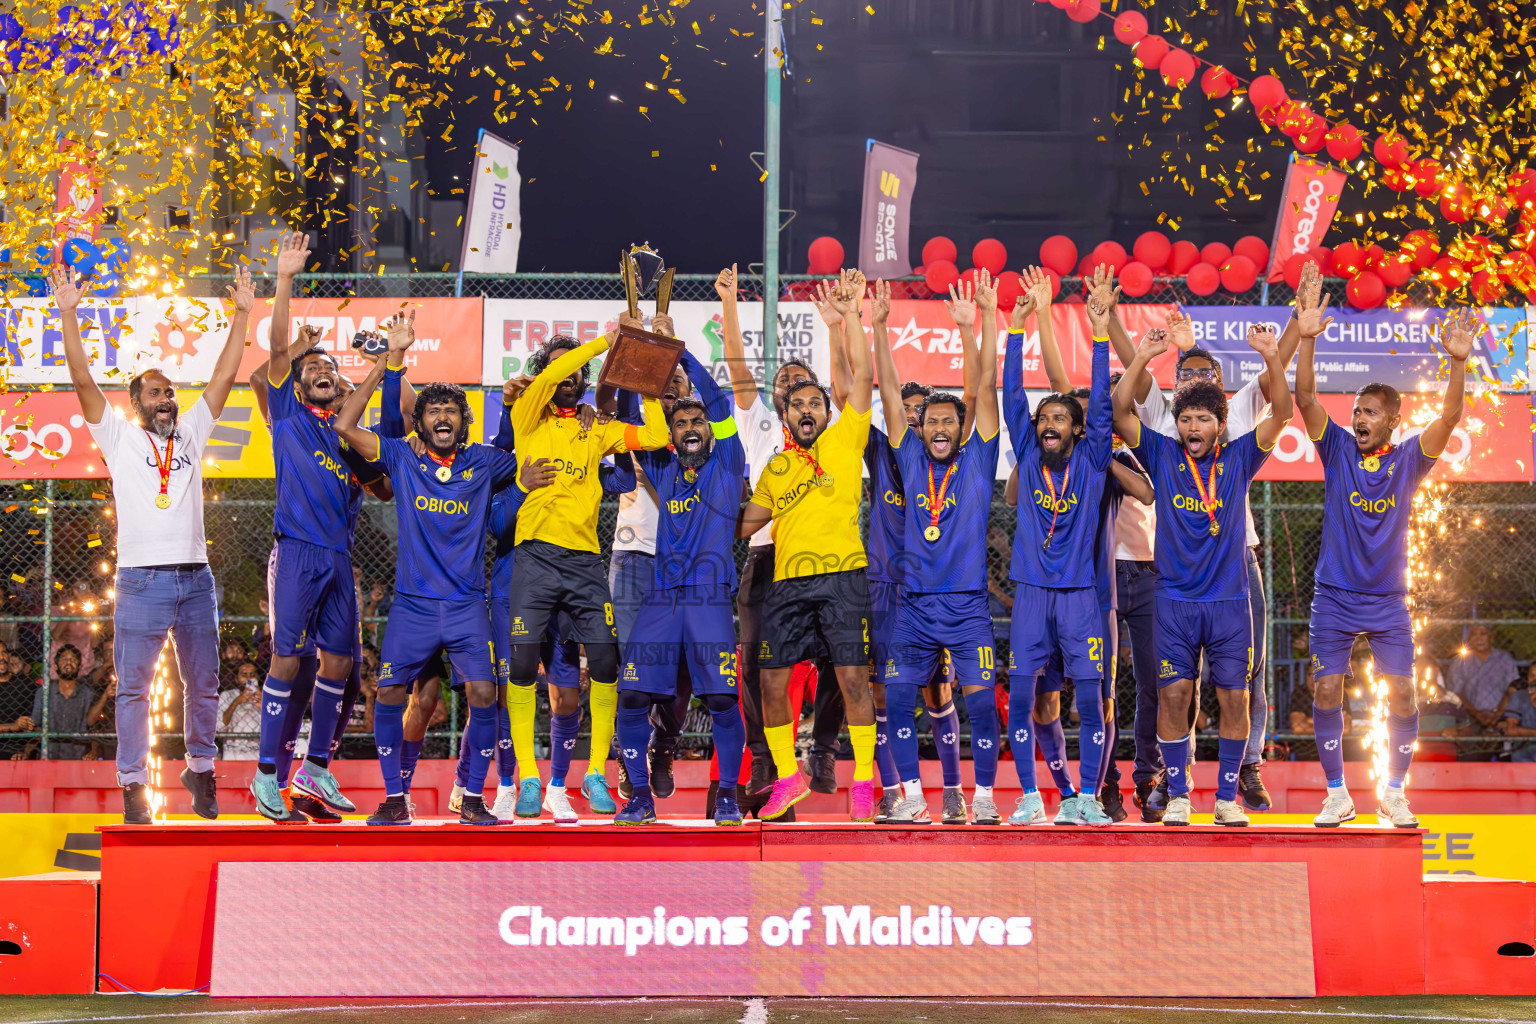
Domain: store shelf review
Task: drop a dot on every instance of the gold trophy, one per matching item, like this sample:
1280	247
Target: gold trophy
640	360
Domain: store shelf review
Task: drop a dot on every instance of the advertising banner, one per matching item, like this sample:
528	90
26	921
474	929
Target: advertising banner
493	224
122	337
1308	202
447	334
890	175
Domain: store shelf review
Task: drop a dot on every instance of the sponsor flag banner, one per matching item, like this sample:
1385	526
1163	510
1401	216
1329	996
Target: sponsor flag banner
447	333
761	928
493	224
77	206
1308	201
890	175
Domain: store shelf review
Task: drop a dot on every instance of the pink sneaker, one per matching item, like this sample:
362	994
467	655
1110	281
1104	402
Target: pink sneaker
786	793
861	801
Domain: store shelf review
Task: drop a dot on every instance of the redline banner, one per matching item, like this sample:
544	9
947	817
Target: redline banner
804	928
1307	205
890	175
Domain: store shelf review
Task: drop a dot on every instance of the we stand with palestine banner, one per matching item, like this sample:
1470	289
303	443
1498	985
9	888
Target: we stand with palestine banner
482	342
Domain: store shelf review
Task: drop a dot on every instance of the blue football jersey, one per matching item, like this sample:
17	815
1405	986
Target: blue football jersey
696	520
956	560
1366	512
315	492
887	510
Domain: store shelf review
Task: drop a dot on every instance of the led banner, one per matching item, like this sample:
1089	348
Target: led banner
760	928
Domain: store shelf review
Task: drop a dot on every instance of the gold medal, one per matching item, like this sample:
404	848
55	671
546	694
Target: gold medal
931	534
162	501
444	474
1215	529
1371	463
690	475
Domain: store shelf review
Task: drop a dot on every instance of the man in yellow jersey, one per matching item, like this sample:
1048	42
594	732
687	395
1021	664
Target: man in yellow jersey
559	568
820	595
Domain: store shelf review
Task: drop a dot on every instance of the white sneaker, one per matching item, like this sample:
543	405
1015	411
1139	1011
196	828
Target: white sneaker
1393	806
1337	809
559	807
1178	810
1228	812
912	810
506	800
456	798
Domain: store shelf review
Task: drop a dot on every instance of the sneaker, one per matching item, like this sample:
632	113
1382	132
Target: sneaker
984	811
312	780
760	782
1393	806
889	798
529	798
559	806
472	811
823	768
272	800
861	801
205	794
393	811
663	785
1156	802
1091	813
311	808
136	809
456	798
1255	796
1067	813
1337	809
506	799
1230	813
727	811
913	810
954	806
625	789
1113	802
1177	812
595	788
1029	810
641	810
786	793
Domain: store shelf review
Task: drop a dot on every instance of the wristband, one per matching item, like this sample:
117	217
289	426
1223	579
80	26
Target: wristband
1294	314
1097	338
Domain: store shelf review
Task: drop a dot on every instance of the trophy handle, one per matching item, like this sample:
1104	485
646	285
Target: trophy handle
629	273
664	290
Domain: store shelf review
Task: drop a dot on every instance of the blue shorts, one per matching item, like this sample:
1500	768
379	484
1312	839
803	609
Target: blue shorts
1047	620
885	603
312	600
1222	629
931	626
695	623
1054	680
562	658
1338	616
418	627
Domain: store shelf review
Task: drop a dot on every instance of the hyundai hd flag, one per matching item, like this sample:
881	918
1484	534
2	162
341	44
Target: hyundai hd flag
493	226
1309	199
890	174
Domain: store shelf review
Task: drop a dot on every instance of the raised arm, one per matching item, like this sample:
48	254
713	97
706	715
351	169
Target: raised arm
242	296
1261	338
530	405
1038	285
1133	482
1015	398
1456	338
837	339
66	296
1290	338
849	300
981	378
362	440
1310	323
1100	427
292	252
885	366
1123	401
743	384
395	360
258	386
717	406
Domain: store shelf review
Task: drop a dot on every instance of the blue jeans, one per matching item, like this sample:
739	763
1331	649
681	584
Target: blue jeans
151	605
1258	700
1136	595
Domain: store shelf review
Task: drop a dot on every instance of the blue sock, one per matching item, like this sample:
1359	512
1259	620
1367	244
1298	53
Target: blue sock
1175	764
1401	734
1053	743
562	744
1231	753
324	713
634	730
946	736
1090	735
481	740
730	741
981	709
275	695
1328	731
506	754
900	707
410	753
885	757
348	700
389	735
293	717
461	770
1021	731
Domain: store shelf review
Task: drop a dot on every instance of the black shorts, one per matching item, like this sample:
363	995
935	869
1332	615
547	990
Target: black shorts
547	580
808	617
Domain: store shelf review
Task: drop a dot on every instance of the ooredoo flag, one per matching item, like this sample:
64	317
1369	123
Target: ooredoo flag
890	174
77	207
493	226
1309	199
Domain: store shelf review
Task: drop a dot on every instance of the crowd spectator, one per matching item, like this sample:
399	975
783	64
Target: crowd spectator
1441	714
1480	675
72	704
104	723
16	692
1518	716
240	711
261	634
234	654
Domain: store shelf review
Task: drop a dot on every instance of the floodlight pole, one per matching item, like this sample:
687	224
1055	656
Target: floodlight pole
773	58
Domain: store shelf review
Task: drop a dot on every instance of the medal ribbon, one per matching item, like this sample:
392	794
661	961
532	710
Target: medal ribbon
561	412
936	502
1207	493
1384	449
1050	486
163	467
791	445
441	462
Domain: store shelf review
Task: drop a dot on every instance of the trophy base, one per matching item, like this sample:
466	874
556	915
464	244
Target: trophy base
641	361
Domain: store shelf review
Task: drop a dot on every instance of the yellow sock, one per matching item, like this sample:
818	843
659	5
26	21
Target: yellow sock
520	716
781	744
603	704
862	737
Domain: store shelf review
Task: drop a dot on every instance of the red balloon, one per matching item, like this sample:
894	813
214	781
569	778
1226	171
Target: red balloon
1344	142
990	255
1130	27
1348	259
1421	247
1394	269
1203	279
1292	116
1217	82
1365	290
1215	253
1314	136
1323	257
1293	266
1110	253
1522	194
1253	247
968	278
1153	249
1055	281
1266	94
1238	274
940	275
1135	279
1456	203
1373	257
1010	285
1516	267
1493	210
1084	11
1181	257
1391	150
1447	273
937	249
1151	51
1060	5
1178	68
825	256
1058	253
1398	179
1486	287
1085	267
1426	176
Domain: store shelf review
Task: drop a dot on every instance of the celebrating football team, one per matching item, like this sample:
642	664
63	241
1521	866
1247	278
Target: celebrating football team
895	620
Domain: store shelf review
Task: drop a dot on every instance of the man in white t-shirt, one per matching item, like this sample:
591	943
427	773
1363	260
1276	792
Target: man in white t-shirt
164	587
